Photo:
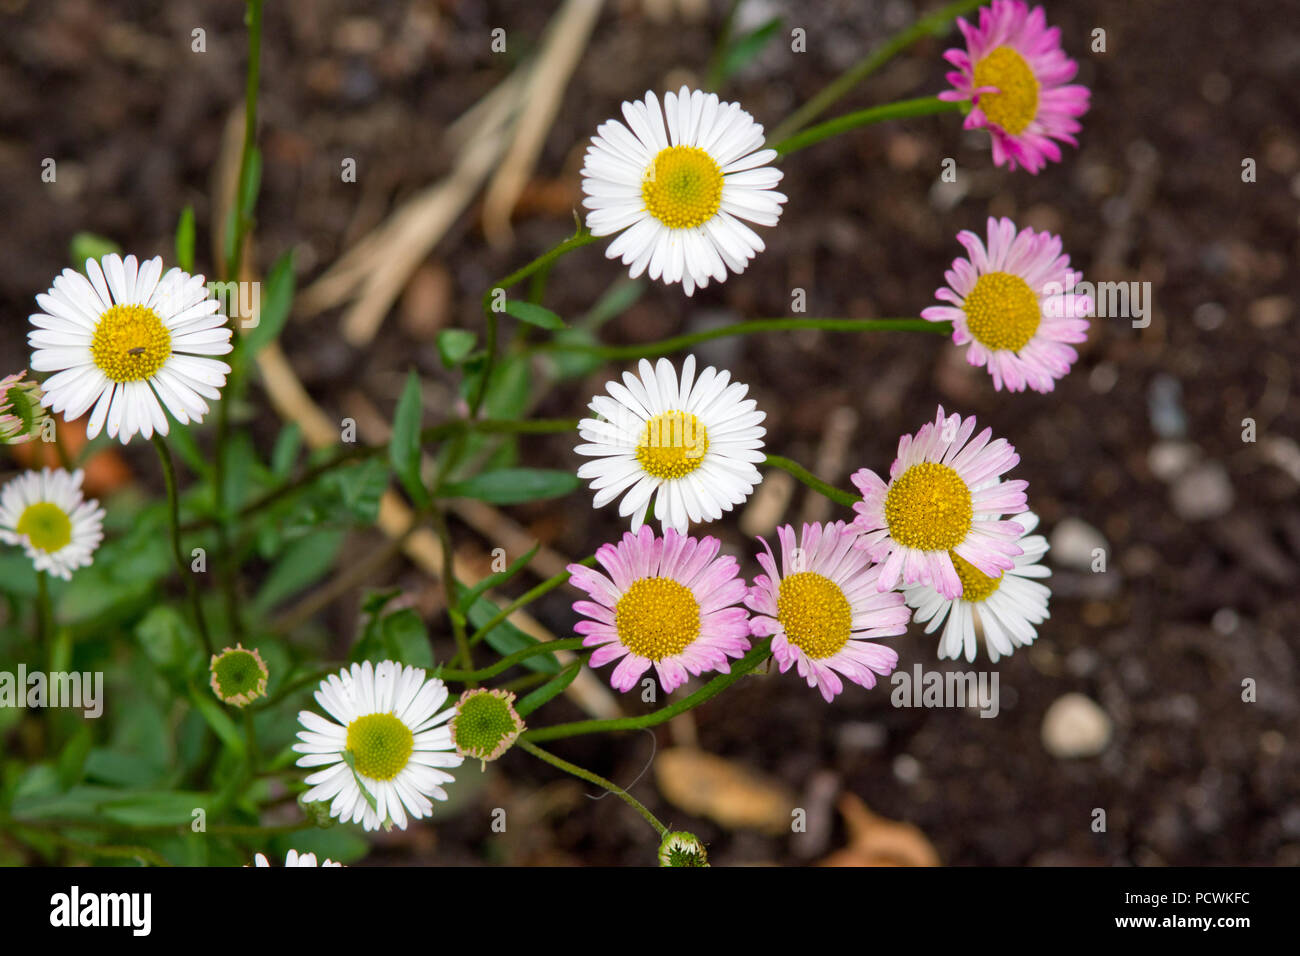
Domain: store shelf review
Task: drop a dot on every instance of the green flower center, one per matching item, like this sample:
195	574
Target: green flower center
238	674
484	721
46	525
380	744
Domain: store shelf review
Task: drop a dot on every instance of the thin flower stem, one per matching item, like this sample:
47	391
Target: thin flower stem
510	660
527	597
173	500
935	23
837	495
544	261
43	613
463	651
226	568
904	109
598	780
757	654
679	342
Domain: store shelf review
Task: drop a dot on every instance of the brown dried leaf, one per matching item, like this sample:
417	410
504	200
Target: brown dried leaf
705	785
876	841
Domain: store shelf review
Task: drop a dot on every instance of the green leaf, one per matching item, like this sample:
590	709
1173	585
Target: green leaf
454	345
185	240
214	713
252	184
302	564
505	638
508	391
748	47
338	844
276	301
157	808
169	641
72	762
87	245
404	446
497	579
552	688
400	636
288	445
536	315
360	487
511	486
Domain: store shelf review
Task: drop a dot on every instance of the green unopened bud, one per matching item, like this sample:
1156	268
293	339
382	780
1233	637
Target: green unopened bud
22	417
485	724
239	675
680	848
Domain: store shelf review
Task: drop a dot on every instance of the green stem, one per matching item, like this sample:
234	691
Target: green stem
226	568
174	503
935	23
598	780
679	342
757	654
242	222
510	660
576	241
44	615
463	651
527	597
837	495
904	109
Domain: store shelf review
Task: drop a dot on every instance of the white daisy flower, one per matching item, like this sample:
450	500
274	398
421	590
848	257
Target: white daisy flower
294	858
677	182
694	441
44	511
390	729
124	339
1005	608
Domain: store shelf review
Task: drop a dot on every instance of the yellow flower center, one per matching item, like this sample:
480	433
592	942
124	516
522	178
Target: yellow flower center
1002	312
381	745
815	613
130	343
929	508
673	445
46	525
682	188
1016	102
975	584
657	618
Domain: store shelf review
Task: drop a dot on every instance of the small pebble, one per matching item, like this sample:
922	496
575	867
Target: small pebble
1073	543
1075	726
1202	493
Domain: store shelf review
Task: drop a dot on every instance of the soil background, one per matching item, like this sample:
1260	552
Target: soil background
1141	445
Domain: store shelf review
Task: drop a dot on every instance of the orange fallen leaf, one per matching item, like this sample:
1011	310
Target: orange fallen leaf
705	785
876	841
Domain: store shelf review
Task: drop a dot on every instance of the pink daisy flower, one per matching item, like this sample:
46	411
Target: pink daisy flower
1014	305
1014	72
823	608
944	497
666	601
